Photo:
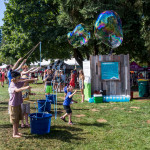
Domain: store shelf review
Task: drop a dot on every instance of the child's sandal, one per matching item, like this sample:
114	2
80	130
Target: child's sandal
27	125
63	119
22	126
70	123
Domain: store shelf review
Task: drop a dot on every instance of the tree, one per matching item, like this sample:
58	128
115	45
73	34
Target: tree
145	30
75	12
28	22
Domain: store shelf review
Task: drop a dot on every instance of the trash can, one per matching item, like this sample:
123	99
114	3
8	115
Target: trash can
143	87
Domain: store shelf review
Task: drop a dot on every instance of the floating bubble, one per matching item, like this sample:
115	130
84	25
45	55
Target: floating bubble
79	36
108	28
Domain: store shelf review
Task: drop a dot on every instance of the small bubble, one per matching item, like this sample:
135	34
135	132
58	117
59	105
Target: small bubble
79	36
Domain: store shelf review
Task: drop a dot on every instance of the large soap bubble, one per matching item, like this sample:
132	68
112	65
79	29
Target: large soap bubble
108	28
79	36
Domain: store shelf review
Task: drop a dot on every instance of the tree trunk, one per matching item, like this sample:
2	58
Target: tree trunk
87	55
78	57
87	52
95	48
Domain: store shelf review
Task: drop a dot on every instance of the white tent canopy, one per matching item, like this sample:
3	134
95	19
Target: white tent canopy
3	66
71	61
43	63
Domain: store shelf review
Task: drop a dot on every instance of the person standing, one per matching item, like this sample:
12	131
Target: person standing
75	77
2	77
72	80
63	79
57	79
48	82
15	101
81	84
25	106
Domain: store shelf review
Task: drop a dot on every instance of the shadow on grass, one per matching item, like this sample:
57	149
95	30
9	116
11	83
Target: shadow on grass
141	98
5	125
81	109
3	108
55	133
68	127
4	103
59	103
35	101
94	124
33	108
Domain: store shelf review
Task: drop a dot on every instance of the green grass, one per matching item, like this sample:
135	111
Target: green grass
126	128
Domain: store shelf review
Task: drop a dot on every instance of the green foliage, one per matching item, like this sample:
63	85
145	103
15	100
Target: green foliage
28	22
145	30
0	36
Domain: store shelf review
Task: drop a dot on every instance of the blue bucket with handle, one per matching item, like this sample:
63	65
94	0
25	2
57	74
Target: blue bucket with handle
40	123
51	98
44	105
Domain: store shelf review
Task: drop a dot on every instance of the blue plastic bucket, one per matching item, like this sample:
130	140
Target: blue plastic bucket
40	123
51	97
44	105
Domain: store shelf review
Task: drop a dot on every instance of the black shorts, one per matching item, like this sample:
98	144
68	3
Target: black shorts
68	109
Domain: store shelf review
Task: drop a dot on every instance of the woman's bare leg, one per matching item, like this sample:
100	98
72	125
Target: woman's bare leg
82	93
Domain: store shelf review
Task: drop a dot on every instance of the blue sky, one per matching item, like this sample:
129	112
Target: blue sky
2	9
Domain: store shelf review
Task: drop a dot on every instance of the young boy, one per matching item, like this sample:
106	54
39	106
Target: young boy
65	91
25	106
15	101
66	104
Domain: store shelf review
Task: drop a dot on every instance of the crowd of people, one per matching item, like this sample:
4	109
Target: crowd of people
18	79
59	79
134	76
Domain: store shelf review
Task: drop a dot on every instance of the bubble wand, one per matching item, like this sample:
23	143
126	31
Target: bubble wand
31	51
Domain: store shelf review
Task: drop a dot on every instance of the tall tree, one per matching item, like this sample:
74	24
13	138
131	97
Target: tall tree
81	11
28	22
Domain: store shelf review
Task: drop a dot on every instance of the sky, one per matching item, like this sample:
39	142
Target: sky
2	9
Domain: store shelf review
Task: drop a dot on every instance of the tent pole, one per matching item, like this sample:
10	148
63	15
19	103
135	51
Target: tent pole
40	54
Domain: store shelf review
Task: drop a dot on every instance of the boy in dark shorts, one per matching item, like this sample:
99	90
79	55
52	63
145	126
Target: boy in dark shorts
66	104
15	101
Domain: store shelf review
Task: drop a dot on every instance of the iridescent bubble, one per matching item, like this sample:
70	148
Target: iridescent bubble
79	36
108	28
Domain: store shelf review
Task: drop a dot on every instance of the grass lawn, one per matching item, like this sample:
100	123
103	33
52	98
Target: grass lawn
101	126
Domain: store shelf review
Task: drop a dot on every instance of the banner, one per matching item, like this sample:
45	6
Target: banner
87	79
110	71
